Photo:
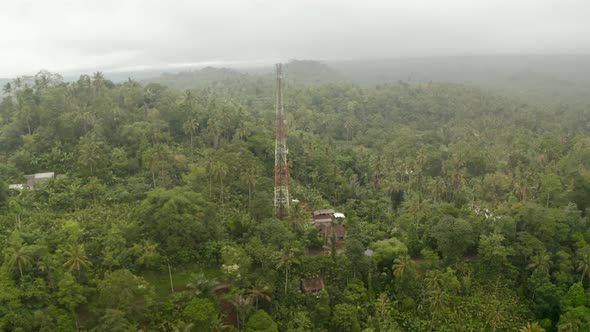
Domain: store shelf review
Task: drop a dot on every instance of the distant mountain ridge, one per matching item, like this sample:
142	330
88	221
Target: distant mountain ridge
545	77
309	71
296	71
200	77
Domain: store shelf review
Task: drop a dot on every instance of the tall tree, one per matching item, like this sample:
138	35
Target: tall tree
286	259
402	265
18	255
583	262
250	178
190	127
531	327
76	258
220	171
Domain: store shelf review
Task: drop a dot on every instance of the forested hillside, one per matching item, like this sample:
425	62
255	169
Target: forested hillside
299	72
540	78
474	208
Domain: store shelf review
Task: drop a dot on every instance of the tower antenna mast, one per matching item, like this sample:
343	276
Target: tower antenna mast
281	197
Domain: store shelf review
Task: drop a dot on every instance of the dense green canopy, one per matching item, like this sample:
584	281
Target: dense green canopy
161	218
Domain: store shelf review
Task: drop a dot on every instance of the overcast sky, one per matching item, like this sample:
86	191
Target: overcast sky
79	35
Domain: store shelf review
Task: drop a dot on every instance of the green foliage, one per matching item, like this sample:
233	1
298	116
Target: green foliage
386	251
181	218
453	237
177	186
323	310
113	320
261	321
121	290
494	255
17	255
70	293
300	322
345	318
200	312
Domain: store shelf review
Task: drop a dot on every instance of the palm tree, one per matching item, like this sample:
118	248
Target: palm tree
15	209
188	101
391	186
377	164
243	131
18	255
249	177
458	173
242	305
259	291
214	130
521	187
541	261
43	79
568	323
17	83
86	117
286	260
417	206
402	265
438	302
219	170
7	88
74	189
534	327
98	81
495	314
349	124
183	327
200	283
76	258
434	281
190	127
218	324
24	108
209	162
438	188
47	265
420	163
383	307
584	262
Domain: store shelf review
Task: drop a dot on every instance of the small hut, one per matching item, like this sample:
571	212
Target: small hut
312	286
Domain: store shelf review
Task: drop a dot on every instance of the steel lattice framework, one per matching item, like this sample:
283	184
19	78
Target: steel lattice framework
281	197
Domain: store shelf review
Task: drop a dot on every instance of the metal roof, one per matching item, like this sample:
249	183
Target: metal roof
44	175
323	211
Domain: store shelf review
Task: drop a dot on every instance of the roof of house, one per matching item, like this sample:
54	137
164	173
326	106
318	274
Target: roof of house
313	285
321	218
339	215
45	175
323	211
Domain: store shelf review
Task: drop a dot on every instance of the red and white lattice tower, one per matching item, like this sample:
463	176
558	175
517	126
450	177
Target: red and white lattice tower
281	199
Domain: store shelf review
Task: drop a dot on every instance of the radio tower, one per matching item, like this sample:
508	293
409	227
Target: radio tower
281	199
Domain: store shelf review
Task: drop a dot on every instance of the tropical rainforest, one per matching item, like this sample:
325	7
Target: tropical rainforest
466	209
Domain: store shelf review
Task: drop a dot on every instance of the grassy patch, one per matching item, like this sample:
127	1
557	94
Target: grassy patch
180	277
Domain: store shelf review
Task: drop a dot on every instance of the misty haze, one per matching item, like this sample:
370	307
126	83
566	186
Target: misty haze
328	166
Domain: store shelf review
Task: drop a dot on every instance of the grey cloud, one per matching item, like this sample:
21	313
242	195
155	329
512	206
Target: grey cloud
62	35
